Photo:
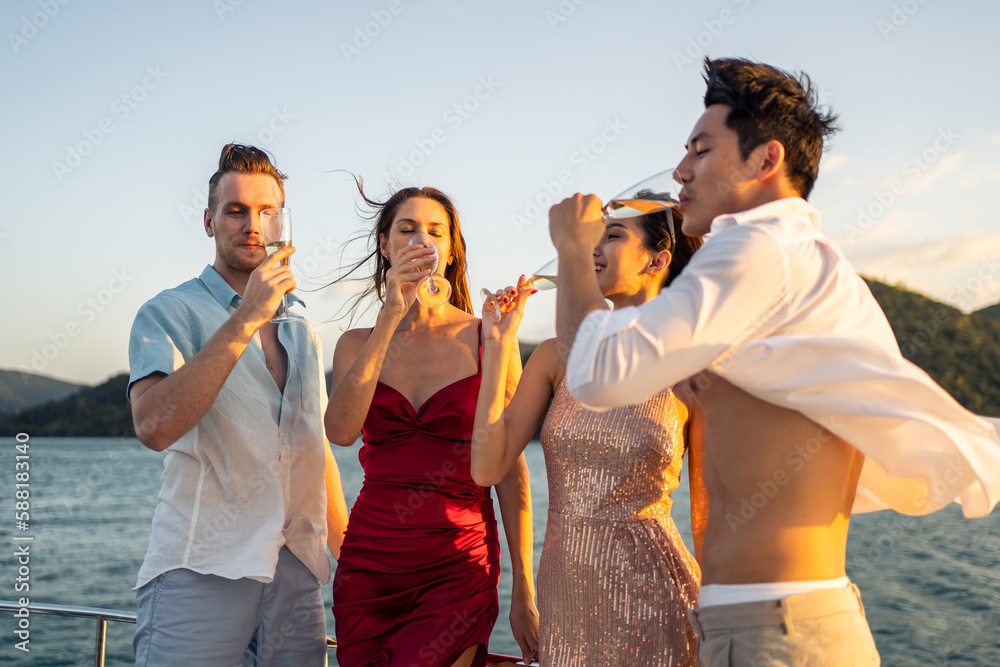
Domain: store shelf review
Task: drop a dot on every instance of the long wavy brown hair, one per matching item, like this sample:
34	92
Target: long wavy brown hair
383	213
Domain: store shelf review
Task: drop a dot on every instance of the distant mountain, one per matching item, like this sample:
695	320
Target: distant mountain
526	350
20	391
961	352
992	312
94	411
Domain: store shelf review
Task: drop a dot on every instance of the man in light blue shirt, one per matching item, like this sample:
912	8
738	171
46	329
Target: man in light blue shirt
237	552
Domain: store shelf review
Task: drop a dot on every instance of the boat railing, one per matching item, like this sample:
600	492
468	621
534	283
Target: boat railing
102	616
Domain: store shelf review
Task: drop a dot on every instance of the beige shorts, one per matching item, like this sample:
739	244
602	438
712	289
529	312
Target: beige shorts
817	629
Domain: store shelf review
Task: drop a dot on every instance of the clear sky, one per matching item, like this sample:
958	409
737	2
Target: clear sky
114	113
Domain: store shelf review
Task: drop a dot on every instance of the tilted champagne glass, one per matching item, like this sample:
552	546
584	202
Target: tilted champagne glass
656	193
276	228
434	290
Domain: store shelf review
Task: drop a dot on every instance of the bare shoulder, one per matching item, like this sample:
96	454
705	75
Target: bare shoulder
547	360
461	325
466	319
350	342
548	350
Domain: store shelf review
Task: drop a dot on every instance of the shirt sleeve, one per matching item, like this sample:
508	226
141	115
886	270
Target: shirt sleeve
732	291
161	339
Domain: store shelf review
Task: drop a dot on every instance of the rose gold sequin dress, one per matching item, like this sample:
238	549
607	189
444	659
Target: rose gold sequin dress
615	580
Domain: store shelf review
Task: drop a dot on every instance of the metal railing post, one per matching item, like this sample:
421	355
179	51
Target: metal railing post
102	637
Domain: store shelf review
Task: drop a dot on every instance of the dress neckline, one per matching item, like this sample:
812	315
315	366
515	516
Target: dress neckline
479	369
418	410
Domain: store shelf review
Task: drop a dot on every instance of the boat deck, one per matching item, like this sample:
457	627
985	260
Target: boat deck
102	616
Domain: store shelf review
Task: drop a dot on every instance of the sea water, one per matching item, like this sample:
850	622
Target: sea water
931	585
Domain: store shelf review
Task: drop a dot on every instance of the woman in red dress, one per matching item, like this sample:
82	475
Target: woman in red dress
416	582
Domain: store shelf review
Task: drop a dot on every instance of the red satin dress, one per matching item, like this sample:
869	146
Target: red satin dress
416	583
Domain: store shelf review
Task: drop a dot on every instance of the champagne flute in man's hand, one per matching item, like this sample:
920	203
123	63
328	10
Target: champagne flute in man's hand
276	227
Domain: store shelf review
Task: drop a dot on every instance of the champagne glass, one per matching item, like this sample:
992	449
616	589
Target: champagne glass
276	228
434	290
541	280
656	193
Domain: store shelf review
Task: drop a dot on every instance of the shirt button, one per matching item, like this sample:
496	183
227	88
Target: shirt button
284	440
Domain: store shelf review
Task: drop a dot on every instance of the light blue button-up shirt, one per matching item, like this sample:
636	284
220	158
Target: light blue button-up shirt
248	479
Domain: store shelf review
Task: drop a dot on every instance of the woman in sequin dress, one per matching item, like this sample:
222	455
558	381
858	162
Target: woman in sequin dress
615	580
416	581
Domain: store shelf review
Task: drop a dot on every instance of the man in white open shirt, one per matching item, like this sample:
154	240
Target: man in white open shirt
237	553
810	409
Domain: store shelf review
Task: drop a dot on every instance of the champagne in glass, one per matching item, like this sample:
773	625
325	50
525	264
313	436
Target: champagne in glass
541	280
545	277
434	290
656	193
276	228
275	246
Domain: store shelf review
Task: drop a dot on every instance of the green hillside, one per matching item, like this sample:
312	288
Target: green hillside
95	411
526	350
961	352
20	391
992	312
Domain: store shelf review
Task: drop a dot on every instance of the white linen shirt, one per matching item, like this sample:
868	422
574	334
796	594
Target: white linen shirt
248	478
772	306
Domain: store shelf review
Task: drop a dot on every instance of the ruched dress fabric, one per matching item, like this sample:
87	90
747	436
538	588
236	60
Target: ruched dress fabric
416	583
615	580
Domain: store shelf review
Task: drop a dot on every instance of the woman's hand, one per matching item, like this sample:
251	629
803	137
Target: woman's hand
509	303
411	264
524	622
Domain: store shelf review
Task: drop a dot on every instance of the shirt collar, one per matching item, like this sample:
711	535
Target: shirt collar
788	206
222	292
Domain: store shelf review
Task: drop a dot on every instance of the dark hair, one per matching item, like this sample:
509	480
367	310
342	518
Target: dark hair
243	160
383	214
656	237
771	104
